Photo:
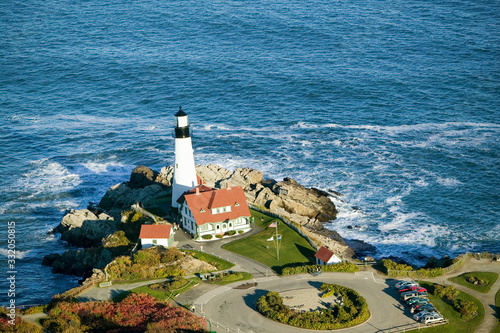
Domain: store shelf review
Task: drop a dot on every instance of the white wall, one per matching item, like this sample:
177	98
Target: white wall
147	242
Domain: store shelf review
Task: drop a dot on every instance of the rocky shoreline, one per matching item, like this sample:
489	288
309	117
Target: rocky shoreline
307	208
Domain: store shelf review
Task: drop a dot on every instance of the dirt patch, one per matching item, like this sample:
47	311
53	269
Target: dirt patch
307	299
192	265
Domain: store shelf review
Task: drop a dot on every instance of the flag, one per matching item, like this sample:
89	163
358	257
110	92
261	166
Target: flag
270	239
273	225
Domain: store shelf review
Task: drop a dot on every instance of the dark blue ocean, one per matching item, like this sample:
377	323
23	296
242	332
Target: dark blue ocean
394	104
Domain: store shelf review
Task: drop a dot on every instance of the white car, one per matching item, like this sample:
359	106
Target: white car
405	283
432	319
421	314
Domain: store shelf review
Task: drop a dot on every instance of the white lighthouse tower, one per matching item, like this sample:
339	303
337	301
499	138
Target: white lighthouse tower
184	171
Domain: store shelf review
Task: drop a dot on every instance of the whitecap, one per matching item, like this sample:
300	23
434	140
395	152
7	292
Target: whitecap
19	254
51	175
448	181
100	168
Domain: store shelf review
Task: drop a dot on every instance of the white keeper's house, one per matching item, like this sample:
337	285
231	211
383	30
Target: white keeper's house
208	211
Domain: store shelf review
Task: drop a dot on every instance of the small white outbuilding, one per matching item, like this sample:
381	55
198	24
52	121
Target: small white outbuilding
325	256
156	234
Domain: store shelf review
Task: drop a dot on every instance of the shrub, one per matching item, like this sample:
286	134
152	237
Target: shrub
344	267
219	236
447	292
467	309
231	232
240	232
155	262
390	265
207	237
354	312
135	313
34	309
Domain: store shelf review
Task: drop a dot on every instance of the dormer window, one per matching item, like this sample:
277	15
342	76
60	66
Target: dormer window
236	205
219	210
202	211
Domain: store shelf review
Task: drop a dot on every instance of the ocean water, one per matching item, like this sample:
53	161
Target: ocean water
394	104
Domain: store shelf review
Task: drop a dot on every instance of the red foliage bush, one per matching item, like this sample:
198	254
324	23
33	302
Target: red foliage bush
133	314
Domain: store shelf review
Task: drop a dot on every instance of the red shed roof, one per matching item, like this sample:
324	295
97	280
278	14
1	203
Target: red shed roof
324	254
202	202
155	231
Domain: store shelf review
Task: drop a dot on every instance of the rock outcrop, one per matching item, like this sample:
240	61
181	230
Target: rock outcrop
121	196
85	228
79	262
141	177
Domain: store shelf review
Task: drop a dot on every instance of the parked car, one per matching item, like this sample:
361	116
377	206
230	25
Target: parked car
419	315
416	308
412	288
417	300
405	283
432	319
410	294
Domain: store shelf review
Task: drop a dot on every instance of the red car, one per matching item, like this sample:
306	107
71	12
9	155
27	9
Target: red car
413	288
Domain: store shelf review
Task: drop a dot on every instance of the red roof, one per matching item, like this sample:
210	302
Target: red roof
155	231
201	203
324	254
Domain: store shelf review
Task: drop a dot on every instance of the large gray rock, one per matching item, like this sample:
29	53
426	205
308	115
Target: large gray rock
121	196
79	262
141	177
165	176
84	228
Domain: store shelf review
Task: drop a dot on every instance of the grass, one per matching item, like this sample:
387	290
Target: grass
485	276
160	295
221	264
455	323
497	304
294	249
245	276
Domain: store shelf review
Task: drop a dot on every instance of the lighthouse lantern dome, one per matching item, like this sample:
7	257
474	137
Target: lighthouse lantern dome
181	118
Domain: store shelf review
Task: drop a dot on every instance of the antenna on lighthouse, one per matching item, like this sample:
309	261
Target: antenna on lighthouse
184	168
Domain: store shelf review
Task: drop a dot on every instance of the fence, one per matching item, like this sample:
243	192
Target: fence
138	208
427	273
287	222
77	290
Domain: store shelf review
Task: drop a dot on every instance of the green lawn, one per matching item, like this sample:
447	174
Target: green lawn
160	295
243	277
489	277
221	264
293	248
455	323
497	304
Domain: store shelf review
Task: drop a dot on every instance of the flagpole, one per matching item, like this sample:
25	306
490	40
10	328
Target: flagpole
277	240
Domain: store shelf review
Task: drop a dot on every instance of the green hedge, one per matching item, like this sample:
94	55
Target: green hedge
353	312
396	270
345	267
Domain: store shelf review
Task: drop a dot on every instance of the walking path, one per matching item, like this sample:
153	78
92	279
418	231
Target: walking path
488	300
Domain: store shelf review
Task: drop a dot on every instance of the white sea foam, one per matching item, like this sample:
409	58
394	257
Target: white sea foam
49	175
448	181
19	254
100	168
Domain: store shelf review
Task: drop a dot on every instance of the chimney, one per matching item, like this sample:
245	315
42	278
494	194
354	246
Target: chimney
228	186
197	190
